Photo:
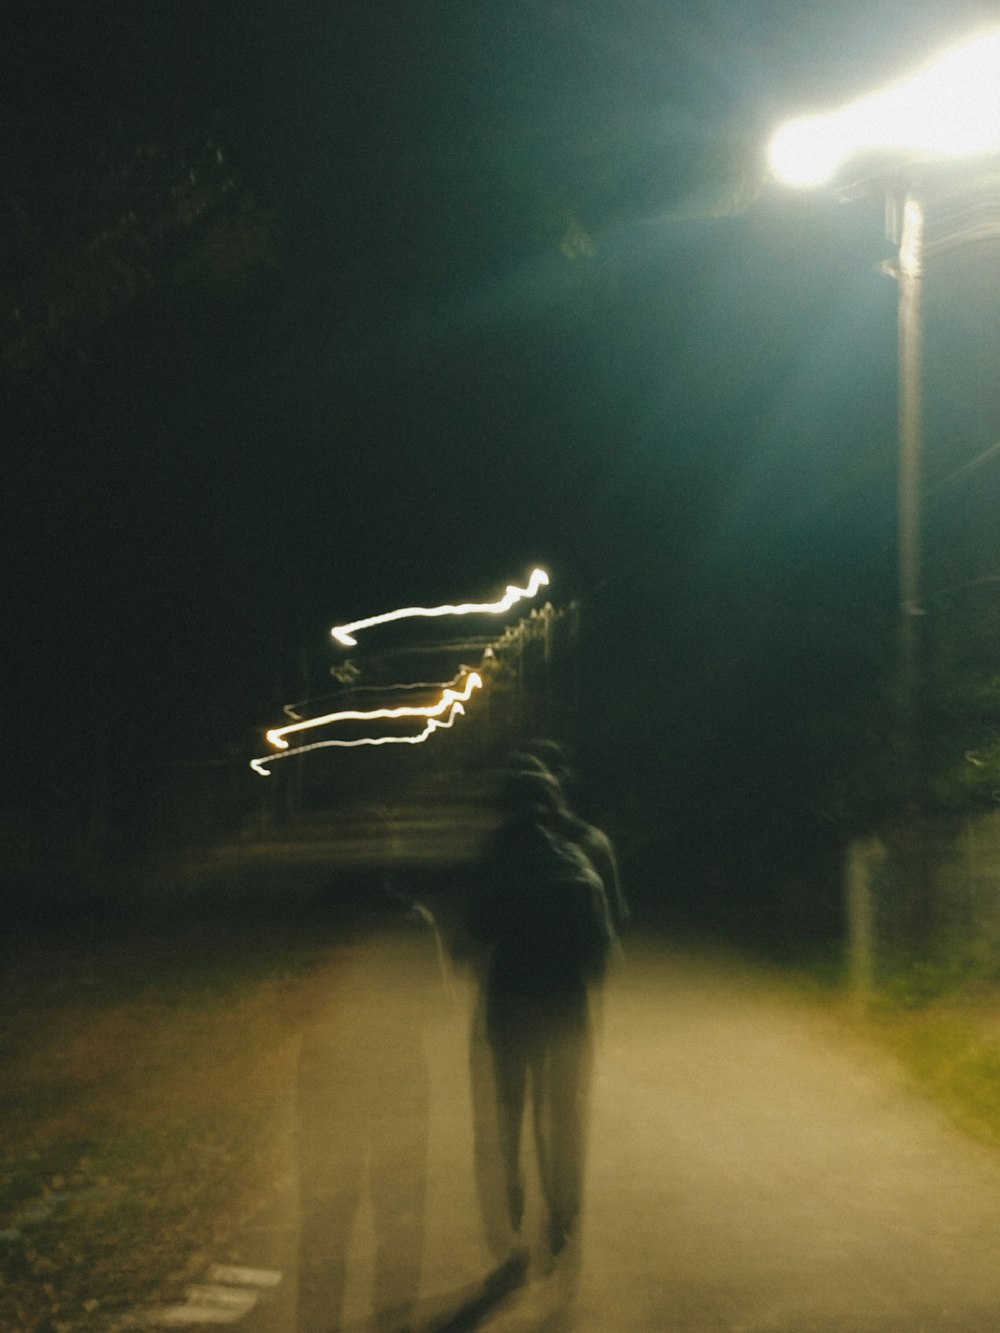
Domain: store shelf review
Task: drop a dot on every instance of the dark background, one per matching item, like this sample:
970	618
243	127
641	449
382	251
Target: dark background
313	310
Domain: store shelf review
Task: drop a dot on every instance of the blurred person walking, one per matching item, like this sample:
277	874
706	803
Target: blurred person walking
542	917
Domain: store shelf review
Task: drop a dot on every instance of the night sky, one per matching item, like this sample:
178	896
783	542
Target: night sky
492	286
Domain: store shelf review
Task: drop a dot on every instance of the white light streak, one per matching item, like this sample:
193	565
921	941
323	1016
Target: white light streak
473	681
260	765
294	711
912	243
538	579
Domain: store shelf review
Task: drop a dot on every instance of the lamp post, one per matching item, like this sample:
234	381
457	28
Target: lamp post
909	273
946	111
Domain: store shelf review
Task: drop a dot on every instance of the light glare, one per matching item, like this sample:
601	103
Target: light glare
950	108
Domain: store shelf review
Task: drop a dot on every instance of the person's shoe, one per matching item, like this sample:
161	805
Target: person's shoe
510	1273
561	1233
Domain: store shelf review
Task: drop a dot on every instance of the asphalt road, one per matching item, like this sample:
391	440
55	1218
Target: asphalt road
750	1169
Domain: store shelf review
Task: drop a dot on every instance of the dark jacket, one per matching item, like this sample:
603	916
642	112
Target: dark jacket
542	911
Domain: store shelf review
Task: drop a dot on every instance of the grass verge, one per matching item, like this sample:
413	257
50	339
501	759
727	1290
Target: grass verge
949	1046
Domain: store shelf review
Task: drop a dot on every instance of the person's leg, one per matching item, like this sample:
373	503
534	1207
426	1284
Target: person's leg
324	1235
486	1150
398	1181
332	1141
541	1119
569	1075
510	1072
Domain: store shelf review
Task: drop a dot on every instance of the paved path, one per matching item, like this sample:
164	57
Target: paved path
748	1171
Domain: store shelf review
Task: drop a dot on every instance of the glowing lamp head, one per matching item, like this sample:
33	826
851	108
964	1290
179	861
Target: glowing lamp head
806	152
949	108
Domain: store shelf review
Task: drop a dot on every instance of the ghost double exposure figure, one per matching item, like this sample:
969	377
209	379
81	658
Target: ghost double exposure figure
363	1102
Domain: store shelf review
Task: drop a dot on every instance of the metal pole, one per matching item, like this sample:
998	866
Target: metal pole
910	335
914	865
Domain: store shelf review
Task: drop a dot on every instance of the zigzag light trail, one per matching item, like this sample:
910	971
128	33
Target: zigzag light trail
260	765
473	681
538	579
294	709
450	702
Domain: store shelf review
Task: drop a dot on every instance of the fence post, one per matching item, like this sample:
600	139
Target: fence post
863	854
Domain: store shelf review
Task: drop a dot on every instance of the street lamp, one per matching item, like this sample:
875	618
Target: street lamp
948	110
